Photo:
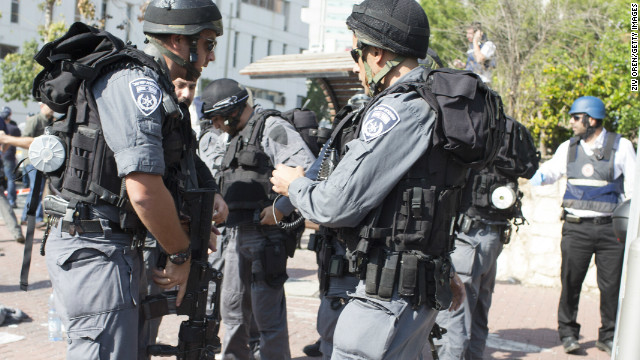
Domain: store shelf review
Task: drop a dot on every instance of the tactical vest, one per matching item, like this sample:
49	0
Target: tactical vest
404	243
491	196
90	173
245	172
590	179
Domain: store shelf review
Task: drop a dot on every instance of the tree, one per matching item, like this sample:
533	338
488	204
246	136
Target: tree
447	22
596	63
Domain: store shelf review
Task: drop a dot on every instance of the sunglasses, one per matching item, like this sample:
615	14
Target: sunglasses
577	117
211	43
356	53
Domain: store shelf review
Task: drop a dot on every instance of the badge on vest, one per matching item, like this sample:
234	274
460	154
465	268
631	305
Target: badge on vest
146	94
588	170
380	120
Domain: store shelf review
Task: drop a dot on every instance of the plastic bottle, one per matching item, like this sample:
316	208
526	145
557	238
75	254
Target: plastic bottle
55	324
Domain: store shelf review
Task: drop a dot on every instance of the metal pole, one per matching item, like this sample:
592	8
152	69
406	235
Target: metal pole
625	341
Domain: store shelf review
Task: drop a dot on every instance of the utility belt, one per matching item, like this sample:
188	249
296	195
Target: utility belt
330	264
598	220
420	278
77	220
466	223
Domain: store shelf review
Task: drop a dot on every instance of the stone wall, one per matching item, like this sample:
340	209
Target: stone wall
533	256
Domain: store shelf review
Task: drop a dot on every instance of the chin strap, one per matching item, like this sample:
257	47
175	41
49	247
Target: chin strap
374	81
192	73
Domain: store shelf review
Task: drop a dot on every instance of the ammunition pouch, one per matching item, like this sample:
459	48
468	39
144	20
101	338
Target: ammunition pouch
421	278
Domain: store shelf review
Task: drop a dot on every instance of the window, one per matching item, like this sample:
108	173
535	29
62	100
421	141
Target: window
284	49
272	5
235	49
269	48
6	50
287	10
253	45
128	20
104	12
15	11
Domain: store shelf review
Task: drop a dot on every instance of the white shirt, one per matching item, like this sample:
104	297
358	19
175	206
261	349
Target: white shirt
624	164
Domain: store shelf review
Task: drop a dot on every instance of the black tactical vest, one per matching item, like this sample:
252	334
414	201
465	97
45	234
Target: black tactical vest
245	172
483	195
90	173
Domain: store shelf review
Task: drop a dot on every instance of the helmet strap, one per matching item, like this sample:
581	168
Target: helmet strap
374	81
192	73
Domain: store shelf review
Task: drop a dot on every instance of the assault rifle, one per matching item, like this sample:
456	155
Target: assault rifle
198	336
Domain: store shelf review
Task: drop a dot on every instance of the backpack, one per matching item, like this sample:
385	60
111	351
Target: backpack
76	59
518	155
306	123
470	116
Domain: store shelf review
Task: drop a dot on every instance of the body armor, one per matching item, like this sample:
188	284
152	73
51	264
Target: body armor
590	179
491	196
90	173
245	172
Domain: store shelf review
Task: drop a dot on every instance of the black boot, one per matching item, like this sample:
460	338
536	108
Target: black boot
312	350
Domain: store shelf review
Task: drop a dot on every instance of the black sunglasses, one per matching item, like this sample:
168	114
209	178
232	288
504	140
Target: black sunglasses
211	43
577	117
357	52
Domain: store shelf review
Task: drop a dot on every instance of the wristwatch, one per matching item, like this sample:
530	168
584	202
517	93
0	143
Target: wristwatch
181	257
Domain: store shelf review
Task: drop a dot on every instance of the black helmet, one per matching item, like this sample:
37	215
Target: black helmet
400	26
222	97
620	219
182	17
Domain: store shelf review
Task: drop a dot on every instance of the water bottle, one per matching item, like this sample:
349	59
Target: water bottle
55	325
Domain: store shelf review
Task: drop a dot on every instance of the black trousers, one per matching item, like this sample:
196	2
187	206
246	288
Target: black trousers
579	243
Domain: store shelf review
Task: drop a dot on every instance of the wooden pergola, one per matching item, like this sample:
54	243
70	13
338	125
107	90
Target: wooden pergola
332	71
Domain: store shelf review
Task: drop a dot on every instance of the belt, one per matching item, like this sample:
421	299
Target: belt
87	226
598	220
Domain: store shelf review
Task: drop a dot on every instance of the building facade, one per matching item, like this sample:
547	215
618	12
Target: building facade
253	29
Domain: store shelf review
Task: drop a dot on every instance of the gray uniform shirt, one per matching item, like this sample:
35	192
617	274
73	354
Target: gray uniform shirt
129	103
396	131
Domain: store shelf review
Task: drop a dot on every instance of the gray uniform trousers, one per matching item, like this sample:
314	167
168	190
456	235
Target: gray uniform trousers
475	260
244	294
9	217
374	329
95	282
332	303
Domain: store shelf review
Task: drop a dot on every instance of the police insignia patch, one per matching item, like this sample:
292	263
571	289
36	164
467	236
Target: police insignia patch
146	94
380	120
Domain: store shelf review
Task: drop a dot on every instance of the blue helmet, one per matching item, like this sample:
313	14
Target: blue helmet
589	105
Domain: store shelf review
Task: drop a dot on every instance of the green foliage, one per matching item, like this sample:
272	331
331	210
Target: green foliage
18	71
447	21
317	101
593	61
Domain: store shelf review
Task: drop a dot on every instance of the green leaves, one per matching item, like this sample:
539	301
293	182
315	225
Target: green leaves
18	71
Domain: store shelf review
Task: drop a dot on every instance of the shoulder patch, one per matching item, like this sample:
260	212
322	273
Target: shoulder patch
279	135
379	121
146	94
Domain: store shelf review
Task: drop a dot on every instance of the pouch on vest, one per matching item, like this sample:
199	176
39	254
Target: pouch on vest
439	295
471	119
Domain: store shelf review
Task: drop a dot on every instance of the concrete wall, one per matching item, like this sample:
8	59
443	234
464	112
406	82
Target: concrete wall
533	256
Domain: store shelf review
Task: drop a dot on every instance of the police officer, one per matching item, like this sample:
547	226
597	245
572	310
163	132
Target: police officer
255	259
599	166
92	253
392	245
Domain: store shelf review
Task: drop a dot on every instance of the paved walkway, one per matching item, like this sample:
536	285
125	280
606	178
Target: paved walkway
522	320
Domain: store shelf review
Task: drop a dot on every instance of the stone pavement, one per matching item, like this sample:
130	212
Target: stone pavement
522	320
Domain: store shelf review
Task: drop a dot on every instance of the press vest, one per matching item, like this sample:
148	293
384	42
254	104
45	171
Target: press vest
590	179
